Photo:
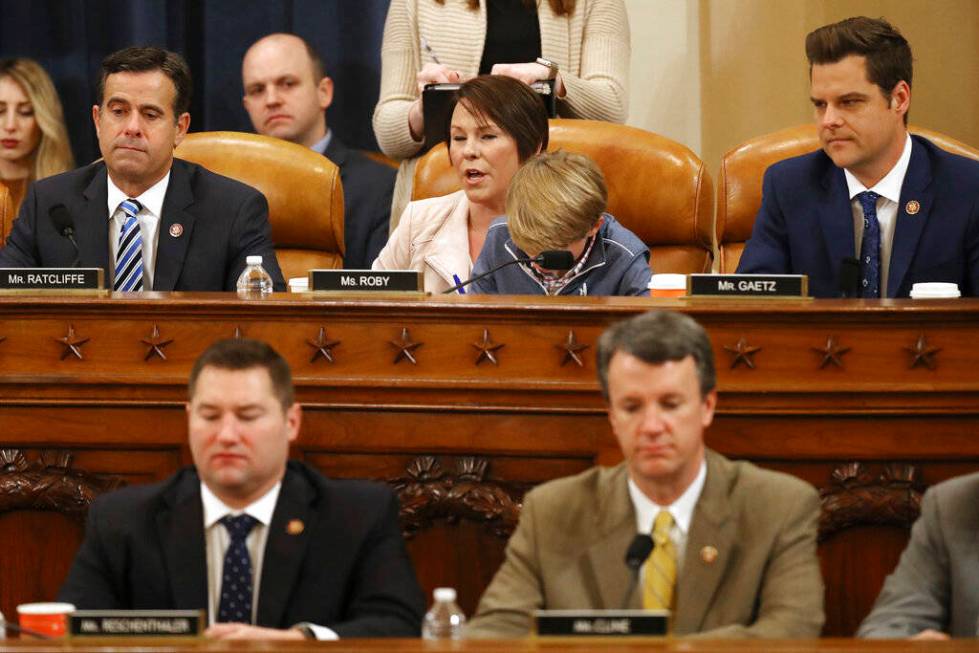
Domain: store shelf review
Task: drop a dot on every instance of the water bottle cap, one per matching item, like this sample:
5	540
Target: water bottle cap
444	594
253	260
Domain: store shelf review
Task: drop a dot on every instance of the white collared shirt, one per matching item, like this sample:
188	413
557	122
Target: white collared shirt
889	189
323	143
681	510
149	224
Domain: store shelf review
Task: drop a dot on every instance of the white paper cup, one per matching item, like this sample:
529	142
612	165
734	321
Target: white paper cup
935	290
668	285
50	619
299	284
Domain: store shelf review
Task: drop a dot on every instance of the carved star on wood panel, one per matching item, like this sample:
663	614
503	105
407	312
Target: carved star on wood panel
922	353
323	347
487	349
406	348
831	352
743	353
72	344
155	344
572	350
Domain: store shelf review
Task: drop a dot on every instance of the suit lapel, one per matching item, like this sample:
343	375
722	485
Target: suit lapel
606	556
908	229
336	152
711	527
171	250
92	224
450	245
836	218
181	533
284	551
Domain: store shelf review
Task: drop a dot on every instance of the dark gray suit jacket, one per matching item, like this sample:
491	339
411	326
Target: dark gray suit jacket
936	582
367	188
347	570
221	221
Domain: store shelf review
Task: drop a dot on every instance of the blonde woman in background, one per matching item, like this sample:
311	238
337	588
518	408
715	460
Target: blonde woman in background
33	138
582	44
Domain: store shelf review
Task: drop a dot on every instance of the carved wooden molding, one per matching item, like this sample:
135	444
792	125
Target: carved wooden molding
743	353
322	346
406	347
831	352
572	350
429	493
855	497
922	353
48	483
155	344
72	344
487	349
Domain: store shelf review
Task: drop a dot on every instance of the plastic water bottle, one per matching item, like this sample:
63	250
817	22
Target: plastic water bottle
3	627
254	281
446	619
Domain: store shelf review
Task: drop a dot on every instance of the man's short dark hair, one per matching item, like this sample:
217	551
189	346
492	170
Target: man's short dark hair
148	59
887	53
655	338
244	354
319	67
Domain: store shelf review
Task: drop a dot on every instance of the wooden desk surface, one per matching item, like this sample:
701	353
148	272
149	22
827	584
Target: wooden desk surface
462	403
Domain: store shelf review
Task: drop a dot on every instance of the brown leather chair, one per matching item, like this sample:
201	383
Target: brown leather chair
302	187
739	187
6	213
658	188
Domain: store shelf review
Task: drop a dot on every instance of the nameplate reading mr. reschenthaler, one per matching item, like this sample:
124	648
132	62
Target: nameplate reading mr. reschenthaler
136	623
602	623
50	278
365	280
748	285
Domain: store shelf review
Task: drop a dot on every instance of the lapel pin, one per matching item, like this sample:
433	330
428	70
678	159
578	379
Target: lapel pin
708	554
295	527
176	230
912	207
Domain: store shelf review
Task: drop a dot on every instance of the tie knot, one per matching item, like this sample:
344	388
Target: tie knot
661	527
131	207
239	527
868	201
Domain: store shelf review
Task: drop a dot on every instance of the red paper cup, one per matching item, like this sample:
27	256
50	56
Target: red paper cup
49	619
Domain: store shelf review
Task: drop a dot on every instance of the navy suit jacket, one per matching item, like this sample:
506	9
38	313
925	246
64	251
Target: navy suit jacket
367	188
347	570
805	224
222	222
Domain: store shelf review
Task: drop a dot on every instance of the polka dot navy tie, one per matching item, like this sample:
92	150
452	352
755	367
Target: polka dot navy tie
236	578
870	247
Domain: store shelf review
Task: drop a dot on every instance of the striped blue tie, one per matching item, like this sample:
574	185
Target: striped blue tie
129	254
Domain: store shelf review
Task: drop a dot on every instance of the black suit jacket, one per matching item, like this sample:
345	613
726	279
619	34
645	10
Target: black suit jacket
222	222
348	569
367	188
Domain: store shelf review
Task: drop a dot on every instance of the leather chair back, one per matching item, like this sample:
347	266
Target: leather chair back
658	188
6	213
742	169
302	187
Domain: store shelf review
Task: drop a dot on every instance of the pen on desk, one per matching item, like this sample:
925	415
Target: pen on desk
430	52
455	277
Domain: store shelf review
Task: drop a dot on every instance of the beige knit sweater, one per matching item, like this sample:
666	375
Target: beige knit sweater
591	47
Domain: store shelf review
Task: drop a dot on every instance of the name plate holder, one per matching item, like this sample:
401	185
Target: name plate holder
602	623
85	281
136	623
360	281
754	286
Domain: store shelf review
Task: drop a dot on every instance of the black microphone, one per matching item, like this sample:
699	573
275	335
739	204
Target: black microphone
849	276
552	259
640	548
65	226
11	626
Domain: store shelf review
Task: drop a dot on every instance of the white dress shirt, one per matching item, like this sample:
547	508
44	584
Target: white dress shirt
217	540
681	510
149	225
889	189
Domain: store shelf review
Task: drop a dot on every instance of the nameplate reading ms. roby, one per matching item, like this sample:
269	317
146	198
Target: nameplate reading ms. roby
365	280
51	278
748	285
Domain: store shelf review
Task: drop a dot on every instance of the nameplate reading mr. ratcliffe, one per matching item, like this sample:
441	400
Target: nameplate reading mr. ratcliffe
50	278
748	285
136	623
602	623
365	280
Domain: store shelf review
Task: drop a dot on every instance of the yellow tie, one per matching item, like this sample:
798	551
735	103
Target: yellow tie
660	568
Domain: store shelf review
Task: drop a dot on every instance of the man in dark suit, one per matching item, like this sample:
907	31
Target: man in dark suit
271	549
287	93
150	221
907	210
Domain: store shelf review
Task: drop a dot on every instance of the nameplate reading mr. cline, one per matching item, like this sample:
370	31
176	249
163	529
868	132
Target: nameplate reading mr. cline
602	623
365	280
136	623
748	285
50	278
